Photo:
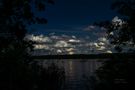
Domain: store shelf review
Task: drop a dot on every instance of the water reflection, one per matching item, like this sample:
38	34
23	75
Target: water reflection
75	70
70	67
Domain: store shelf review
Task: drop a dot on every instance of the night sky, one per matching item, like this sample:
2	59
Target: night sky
72	16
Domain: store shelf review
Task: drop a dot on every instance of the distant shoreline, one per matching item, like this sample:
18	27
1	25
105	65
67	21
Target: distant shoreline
87	56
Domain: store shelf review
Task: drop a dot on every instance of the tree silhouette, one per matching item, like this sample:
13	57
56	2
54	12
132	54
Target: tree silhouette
17	70
118	73
121	32
14	18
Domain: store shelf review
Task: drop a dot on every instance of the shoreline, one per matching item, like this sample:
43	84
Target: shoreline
87	56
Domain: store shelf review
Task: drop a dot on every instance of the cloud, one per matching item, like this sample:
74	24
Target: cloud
71	45
117	21
61	44
74	41
38	38
90	28
102	39
95	32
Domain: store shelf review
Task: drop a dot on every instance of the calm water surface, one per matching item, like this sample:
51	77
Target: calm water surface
76	70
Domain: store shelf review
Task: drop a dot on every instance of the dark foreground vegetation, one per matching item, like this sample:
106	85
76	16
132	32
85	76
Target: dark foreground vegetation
114	74
17	70
118	73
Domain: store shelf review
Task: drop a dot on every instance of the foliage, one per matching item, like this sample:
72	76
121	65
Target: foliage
122	31
14	19
17	70
118	73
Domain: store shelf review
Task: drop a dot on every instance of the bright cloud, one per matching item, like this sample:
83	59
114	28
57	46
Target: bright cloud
61	44
117	21
65	44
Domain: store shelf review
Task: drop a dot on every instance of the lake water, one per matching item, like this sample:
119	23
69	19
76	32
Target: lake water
76	71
